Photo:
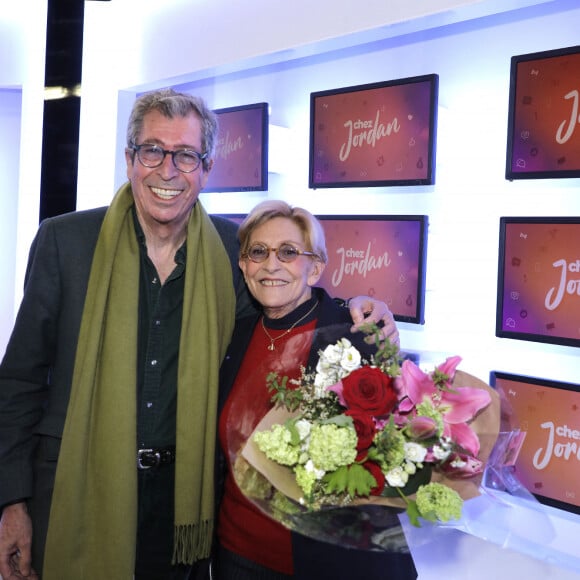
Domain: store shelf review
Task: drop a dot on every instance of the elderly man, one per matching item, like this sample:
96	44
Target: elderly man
109	384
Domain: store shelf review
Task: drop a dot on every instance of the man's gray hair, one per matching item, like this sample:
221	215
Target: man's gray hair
172	104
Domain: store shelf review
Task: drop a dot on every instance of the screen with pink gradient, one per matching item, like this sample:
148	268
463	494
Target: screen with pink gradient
544	125
378	256
548	463
378	134
241	153
539	280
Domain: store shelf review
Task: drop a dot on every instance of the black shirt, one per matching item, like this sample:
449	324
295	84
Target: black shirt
160	309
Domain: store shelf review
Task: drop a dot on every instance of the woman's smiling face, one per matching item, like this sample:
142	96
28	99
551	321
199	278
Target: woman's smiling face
280	287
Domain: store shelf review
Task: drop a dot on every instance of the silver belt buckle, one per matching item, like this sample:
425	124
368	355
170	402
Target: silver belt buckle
140	454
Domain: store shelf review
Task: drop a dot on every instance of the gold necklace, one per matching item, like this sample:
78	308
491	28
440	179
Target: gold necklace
287	331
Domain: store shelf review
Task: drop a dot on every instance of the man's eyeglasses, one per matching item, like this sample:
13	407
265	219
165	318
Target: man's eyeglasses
185	160
285	253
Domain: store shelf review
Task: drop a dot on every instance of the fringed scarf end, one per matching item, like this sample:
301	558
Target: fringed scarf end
192	542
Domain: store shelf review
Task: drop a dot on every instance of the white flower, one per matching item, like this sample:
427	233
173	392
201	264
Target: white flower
458	463
310	467
335	362
331	355
350	359
397	477
303	427
415	452
440	453
323	367
324	379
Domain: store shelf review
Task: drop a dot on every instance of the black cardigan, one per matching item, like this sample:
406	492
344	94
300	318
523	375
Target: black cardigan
315	559
333	322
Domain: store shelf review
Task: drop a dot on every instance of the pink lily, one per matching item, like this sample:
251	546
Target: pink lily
462	466
422	428
456	405
413	383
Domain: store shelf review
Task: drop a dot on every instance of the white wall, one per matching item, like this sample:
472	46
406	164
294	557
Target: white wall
470	193
471	56
22	51
171	42
279	52
10	121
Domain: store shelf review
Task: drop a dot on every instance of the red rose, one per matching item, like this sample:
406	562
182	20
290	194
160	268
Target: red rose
364	426
370	391
375	470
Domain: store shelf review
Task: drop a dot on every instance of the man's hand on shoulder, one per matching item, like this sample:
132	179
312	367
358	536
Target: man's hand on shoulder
366	309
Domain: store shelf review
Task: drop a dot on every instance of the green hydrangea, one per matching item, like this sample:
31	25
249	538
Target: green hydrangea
305	478
277	445
436	501
332	446
390	444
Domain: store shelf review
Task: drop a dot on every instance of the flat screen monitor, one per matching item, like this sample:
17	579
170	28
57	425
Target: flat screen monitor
382	256
548	463
538	292
543	120
241	155
380	134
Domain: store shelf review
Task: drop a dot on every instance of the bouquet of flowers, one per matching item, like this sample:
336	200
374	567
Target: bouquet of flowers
356	430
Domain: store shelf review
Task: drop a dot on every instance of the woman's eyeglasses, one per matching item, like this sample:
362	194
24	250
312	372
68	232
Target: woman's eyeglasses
284	252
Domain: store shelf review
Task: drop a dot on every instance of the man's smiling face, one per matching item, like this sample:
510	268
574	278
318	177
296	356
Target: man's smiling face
164	196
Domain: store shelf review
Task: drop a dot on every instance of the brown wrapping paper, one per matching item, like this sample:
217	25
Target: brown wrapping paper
486	424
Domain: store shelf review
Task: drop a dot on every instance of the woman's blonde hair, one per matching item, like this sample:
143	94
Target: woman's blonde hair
311	228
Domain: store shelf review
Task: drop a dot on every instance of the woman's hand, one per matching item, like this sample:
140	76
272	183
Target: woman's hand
365	309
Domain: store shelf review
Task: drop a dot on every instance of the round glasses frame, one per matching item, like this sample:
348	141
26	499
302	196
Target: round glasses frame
184	160
284	252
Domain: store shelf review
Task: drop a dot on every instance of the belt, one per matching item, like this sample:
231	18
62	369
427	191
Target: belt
154	457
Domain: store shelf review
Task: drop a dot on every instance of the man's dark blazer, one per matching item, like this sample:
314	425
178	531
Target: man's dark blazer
36	372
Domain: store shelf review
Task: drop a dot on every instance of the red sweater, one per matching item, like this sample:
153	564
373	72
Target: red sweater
242	527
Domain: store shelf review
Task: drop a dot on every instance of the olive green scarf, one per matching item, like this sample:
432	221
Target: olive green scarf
92	529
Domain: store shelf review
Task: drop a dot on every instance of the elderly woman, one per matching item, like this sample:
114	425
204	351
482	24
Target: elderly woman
282	256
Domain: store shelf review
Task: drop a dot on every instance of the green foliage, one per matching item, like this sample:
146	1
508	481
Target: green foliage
290	424
283	396
339	421
413	513
354	480
442	381
387	357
